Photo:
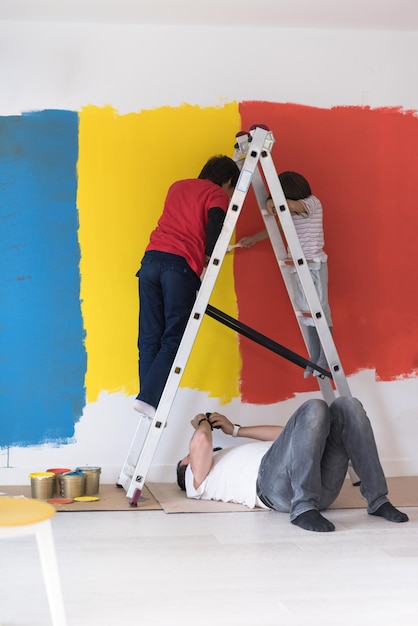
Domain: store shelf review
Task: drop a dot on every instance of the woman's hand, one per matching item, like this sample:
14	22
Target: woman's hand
247	242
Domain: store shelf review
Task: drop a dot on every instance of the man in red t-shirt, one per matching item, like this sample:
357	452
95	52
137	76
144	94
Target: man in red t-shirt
169	276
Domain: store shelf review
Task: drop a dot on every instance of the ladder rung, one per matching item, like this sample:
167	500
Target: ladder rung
292	263
124	480
129	469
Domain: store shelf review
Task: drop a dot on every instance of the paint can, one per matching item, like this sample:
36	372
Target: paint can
73	484
58	472
42	485
92	479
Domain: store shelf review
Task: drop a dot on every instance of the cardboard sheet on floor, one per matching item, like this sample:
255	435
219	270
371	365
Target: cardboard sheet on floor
403	492
173	500
111	498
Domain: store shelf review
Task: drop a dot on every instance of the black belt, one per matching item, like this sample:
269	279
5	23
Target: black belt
265	501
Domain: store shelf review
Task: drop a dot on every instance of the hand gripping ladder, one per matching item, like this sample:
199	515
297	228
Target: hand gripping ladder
252	150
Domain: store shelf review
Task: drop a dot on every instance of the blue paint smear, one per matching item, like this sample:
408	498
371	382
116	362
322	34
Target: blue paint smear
42	353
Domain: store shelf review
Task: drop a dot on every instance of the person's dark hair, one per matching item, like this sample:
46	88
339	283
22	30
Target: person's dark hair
181	472
294	185
220	169
181	475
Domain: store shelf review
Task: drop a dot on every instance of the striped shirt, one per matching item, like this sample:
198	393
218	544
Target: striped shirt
310	230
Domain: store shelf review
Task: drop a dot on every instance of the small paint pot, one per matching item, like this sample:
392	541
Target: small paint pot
58	471
42	485
73	484
92	479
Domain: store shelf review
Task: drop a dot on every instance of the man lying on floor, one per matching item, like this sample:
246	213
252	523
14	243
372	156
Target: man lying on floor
299	468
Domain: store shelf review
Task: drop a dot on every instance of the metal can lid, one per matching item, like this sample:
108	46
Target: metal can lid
73	475
41	475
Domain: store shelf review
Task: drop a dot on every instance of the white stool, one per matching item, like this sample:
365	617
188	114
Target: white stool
27	516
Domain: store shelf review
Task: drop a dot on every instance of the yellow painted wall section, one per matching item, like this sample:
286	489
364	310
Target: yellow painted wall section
126	164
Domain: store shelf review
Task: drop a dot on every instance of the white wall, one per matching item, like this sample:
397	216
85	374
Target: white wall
47	65
67	66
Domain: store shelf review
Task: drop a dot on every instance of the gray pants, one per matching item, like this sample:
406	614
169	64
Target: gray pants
306	465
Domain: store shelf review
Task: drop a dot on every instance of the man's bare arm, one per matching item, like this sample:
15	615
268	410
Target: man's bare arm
201	444
201	449
262	433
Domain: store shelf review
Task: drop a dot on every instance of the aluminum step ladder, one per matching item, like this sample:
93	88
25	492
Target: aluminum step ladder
253	155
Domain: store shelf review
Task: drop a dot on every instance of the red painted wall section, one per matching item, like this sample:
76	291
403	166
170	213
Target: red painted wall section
361	163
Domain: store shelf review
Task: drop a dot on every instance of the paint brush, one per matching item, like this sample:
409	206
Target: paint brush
232	246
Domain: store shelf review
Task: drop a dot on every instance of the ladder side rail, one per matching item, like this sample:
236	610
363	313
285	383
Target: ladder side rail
281	255
276	239
280	252
173	381
180	361
130	461
304	275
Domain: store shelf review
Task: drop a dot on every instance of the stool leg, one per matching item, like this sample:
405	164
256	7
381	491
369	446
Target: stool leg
49	564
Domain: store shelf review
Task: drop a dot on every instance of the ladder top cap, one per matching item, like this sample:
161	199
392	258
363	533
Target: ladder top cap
263	126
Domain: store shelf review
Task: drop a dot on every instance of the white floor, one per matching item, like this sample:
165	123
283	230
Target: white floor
224	569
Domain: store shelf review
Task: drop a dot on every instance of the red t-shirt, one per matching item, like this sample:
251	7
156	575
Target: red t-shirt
181	228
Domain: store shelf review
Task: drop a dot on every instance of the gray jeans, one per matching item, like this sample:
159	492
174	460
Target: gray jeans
306	465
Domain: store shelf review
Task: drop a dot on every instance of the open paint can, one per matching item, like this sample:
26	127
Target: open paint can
42	485
73	484
92	475
58	471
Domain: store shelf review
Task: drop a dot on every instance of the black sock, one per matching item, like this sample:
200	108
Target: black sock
389	512
313	520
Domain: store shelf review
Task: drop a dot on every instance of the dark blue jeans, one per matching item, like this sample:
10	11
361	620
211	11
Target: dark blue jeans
167	292
306	466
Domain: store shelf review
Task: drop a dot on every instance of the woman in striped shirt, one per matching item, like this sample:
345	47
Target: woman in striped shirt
306	211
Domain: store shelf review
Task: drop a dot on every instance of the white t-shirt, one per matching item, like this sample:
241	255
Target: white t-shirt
233	476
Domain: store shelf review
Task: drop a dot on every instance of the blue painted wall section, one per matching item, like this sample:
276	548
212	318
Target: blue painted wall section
42	353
